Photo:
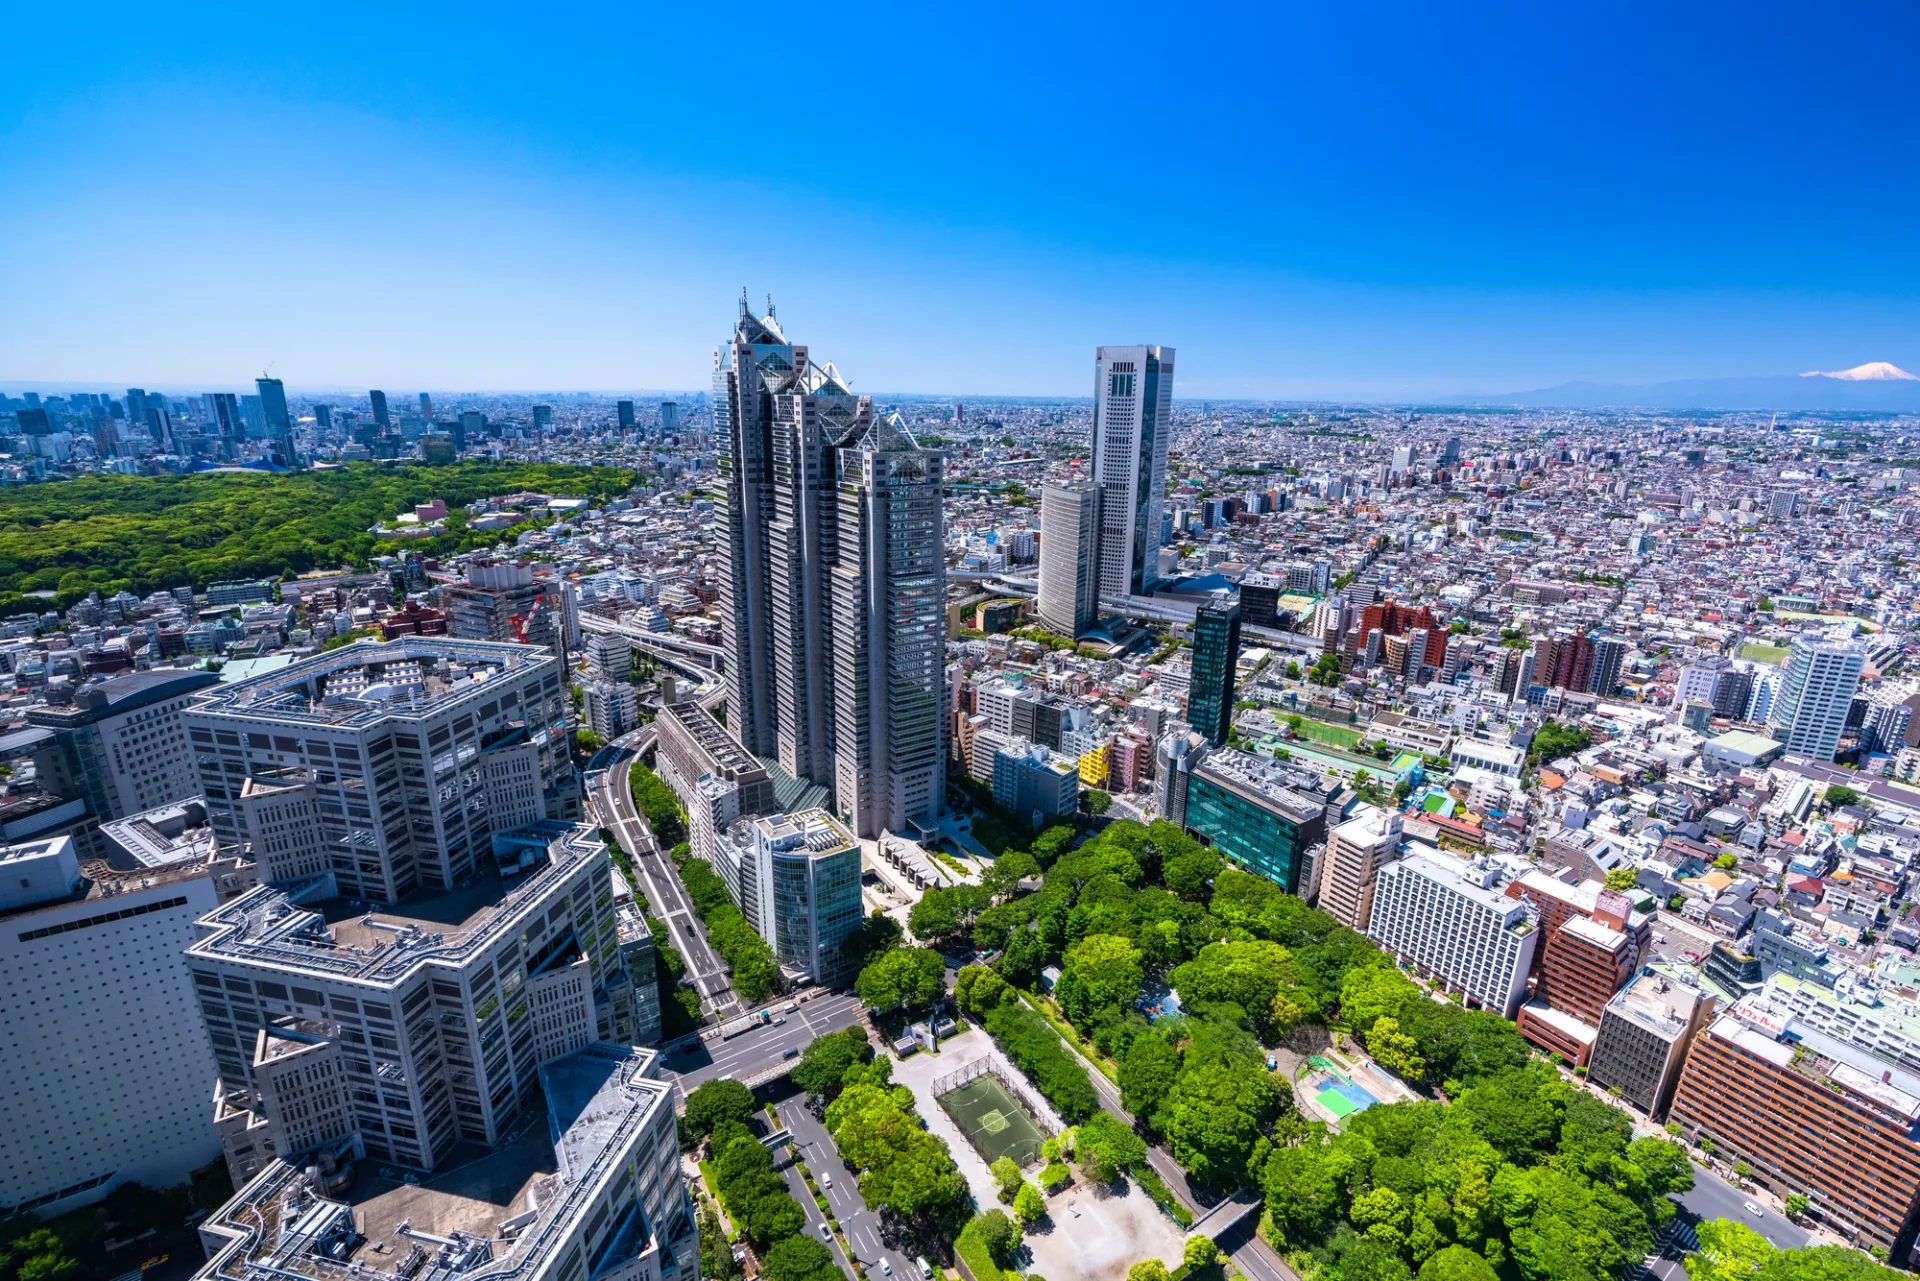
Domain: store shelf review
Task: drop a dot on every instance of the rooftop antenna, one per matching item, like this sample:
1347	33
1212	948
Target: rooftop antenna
743	302
769	306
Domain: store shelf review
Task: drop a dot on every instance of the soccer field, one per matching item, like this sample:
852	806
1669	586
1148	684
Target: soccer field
993	1122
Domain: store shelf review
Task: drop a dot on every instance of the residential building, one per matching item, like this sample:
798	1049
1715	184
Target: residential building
1069	598
609	657
1448	918
1132	427
1356	851
612	708
120	744
1645	1032
1029	779
105	1057
419	749
1812	1112
1256	812
1216	660
1816	690
588	1184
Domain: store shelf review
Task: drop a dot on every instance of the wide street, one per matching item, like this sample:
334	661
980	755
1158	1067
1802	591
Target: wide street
613	806
861	1225
762	1047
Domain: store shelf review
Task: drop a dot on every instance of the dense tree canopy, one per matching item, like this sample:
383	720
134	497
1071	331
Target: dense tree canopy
906	977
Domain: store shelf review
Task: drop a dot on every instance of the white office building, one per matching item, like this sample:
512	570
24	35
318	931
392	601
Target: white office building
1132	427
1448	918
1069	595
105	1059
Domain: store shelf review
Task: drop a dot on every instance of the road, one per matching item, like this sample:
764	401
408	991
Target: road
763	1047
861	1225
613	806
1713	1197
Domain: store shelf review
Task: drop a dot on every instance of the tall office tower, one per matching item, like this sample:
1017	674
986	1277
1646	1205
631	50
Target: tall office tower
95	984
834	592
381	417
1816	690
612	707
1263	814
1450	451
609	657
160	426
1069	579
1216	656
542	417
1403	456
1132	409
136	405
716	780
471	427
121	747
889	586
223	412
669	417
1609	654
323	416
34	422
426	405
273	407
625	409
419	751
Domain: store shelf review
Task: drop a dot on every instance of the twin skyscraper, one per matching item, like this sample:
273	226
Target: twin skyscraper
834	595
1104	537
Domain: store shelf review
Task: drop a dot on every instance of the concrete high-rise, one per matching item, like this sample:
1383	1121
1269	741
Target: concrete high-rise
1132	412
1069	578
273	406
1817	686
833	597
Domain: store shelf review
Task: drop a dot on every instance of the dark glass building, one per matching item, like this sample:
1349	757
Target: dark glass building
1216	654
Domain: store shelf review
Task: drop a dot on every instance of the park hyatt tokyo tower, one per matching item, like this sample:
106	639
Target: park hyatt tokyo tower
835	585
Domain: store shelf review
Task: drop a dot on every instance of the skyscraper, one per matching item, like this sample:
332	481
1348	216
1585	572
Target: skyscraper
273	406
1216	653
1132	405
833	595
1609	653
669	417
625	409
1816	689
223	414
1069	586
426	405
380	415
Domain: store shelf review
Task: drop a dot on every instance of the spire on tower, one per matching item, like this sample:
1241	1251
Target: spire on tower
743	302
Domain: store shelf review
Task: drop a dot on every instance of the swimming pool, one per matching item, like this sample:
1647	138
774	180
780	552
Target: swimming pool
1342	1097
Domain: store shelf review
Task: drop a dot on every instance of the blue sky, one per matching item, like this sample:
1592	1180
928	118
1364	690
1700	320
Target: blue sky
1352	200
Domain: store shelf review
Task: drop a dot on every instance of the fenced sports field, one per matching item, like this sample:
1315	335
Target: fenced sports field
995	1122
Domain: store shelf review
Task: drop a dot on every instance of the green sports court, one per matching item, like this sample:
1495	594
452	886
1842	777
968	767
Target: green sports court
993	1121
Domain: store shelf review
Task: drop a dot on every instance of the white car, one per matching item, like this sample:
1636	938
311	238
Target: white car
886	1267
1751	1208
826	1233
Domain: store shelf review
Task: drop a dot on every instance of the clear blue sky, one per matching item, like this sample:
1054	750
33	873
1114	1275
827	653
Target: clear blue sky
1328	199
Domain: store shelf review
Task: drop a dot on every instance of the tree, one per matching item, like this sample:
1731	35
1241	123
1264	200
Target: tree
909	977
716	1102
1106	1148
1026	954
1840	796
1367	1259
1148	1270
1797	1205
1394	1049
1000	1234
1146	1075
1728	1251
1029	1207
1199	1252
799	1258
1217	1108
1457	1263
1006	1177
1098	971
1381	1214
978	989
38	1255
823	1068
1621	878
1248	973
1191	875
1373	992
1095	802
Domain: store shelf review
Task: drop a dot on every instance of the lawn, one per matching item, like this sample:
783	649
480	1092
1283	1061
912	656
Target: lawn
1340	736
1773	655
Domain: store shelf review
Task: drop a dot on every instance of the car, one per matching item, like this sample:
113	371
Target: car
826	1180
826	1233
790	1007
780	1020
886	1268
1751	1208
791	1052
926	1269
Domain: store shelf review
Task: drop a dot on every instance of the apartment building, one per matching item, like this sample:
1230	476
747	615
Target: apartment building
1643	1037
588	1186
105	1057
1448	918
417	750
442	1006
1356	851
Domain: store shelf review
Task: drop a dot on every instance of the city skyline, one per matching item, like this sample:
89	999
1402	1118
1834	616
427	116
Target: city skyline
1397	207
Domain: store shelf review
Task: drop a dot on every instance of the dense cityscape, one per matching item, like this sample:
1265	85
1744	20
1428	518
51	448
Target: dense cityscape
771	830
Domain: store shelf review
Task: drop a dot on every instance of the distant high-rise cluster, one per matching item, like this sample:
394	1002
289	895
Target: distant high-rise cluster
835	581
